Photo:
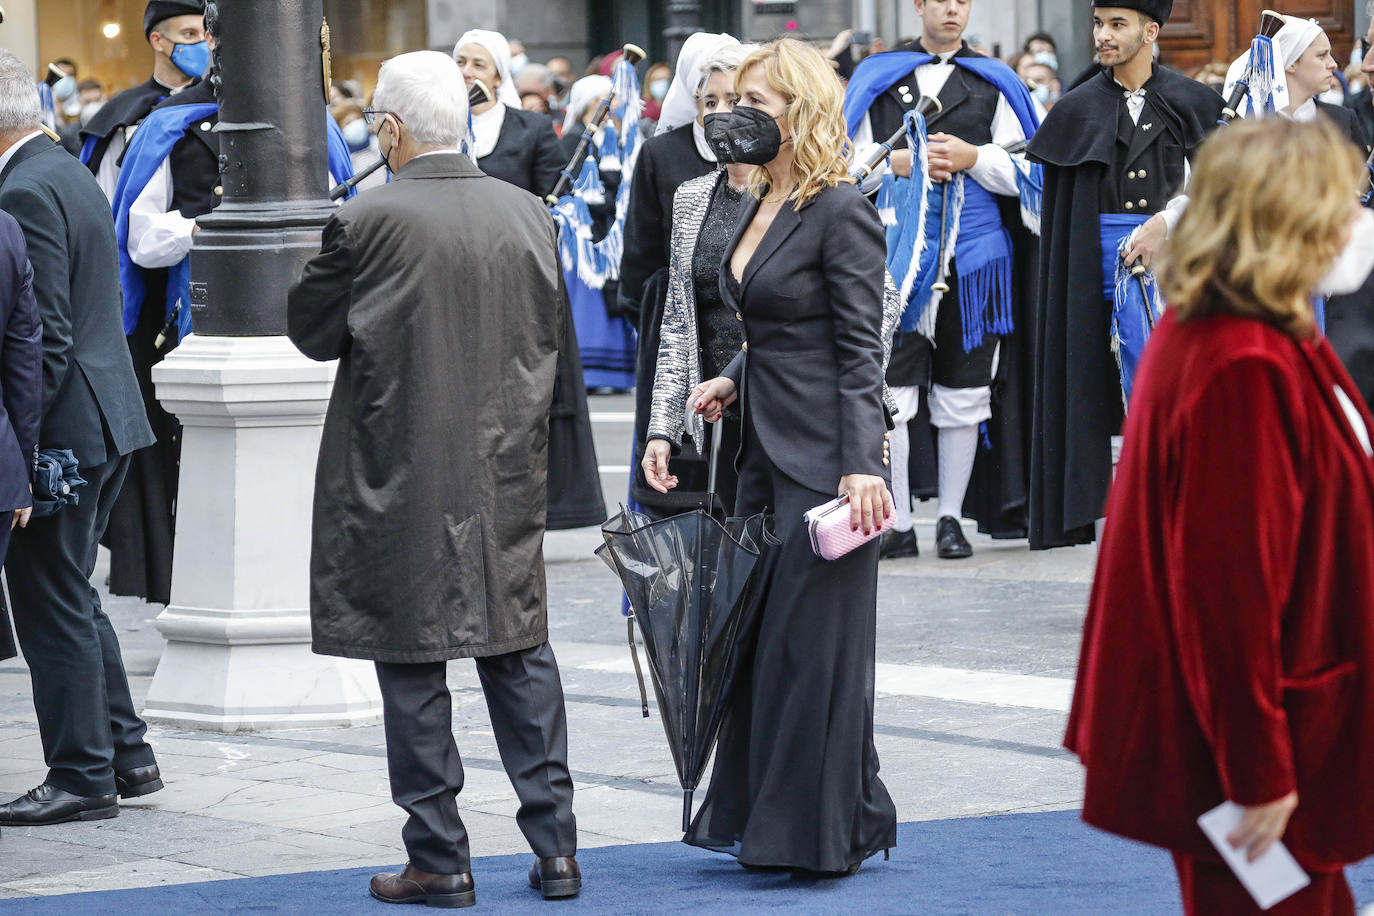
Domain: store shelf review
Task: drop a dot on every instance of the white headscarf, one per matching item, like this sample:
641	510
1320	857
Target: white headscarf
499	49
680	104
1290	44
582	94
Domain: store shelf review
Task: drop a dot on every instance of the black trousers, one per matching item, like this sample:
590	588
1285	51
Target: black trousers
86	716
525	701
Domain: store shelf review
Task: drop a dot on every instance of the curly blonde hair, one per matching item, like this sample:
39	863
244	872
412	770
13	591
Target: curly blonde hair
1270	203
815	117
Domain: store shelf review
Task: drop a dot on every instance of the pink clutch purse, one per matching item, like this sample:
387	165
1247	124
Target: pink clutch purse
832	535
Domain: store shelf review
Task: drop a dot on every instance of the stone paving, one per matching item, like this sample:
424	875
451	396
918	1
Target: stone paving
975	667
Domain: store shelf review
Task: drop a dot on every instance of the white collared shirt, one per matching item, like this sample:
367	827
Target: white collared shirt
486	130
993	170
9	153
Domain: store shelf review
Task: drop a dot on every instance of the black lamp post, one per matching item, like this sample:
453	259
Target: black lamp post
273	164
684	18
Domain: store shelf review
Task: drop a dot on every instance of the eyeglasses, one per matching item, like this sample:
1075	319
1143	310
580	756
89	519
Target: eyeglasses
373	116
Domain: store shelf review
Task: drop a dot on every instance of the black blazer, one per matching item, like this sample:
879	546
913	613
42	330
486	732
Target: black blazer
91	401
810	373
526	153
21	370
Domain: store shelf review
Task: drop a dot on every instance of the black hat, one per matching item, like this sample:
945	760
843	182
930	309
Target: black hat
158	10
1158	10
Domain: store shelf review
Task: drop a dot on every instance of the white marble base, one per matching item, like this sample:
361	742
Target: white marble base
238	629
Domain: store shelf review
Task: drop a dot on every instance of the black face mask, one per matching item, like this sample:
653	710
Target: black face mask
745	135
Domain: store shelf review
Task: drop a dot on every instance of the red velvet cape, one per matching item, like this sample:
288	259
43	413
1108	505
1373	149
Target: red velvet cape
1229	642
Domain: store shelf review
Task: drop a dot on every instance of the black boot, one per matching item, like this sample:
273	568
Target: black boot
895	544
950	542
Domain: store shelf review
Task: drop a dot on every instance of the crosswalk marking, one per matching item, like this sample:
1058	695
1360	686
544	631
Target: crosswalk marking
989	688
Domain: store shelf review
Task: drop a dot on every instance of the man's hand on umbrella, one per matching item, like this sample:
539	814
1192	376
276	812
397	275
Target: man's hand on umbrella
655	465
711	397
869	501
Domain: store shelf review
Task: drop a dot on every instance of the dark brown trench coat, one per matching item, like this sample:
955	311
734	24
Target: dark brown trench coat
438	293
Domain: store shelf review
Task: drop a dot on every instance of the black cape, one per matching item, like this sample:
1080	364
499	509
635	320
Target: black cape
124	110
1073	418
142	523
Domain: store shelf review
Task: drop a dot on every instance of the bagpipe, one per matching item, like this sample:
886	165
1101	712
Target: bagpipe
1260	69
479	94
925	106
633	54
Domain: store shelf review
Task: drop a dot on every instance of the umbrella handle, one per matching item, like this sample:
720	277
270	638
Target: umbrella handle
634	657
715	460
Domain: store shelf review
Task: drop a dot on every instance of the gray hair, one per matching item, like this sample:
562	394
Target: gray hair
727	58
530	73
19	107
425	90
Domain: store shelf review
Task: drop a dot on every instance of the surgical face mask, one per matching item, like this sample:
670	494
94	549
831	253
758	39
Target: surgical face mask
1047	58
64	88
658	89
72	107
745	135
1355	262
88	111
1044	95
193	60
518	62
355	134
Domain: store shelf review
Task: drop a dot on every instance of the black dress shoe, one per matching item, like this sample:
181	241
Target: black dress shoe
138	781
415	886
50	805
556	876
895	544
950	542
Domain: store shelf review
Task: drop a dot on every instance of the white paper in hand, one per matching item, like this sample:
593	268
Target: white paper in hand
1273	877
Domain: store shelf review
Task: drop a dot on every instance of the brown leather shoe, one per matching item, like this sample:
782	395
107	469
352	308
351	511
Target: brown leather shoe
415	886
556	876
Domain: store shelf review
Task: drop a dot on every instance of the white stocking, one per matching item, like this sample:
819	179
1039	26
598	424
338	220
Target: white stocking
900	456
958	449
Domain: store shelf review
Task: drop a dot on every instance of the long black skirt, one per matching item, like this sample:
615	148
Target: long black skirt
795	782
575	498
143	521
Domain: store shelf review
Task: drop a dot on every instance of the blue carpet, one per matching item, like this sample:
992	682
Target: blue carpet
1024	863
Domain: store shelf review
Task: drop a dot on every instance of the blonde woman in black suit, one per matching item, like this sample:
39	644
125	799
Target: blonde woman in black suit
796	776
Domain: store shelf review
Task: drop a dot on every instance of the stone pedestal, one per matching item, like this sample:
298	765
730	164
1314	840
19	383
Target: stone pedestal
238	628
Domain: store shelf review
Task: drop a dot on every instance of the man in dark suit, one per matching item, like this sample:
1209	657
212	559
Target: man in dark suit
92	738
21	389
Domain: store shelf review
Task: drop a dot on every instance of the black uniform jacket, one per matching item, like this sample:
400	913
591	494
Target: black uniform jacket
526	154
1096	161
91	402
810	373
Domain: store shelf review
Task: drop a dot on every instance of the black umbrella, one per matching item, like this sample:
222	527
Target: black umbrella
692	584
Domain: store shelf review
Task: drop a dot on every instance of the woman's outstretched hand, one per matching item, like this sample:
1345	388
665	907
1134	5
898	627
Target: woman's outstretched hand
712	396
655	465
869	501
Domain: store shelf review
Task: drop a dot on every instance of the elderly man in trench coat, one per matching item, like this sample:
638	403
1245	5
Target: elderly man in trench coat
438	294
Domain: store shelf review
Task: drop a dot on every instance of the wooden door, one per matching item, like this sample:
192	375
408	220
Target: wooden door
1200	31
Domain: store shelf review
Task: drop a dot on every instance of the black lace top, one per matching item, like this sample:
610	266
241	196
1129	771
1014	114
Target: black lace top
720	332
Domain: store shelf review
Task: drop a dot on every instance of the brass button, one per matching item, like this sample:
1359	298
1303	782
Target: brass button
738	316
886	463
1129	205
1143	203
1131	175
1141	173
744	346
219	191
